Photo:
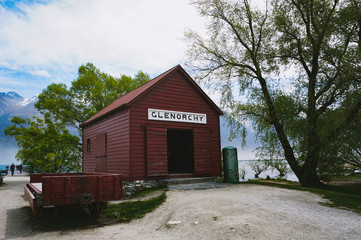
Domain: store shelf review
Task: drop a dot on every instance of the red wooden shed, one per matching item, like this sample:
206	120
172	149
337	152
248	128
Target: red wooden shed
166	128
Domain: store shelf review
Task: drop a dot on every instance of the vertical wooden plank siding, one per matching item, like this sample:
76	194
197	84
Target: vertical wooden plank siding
217	142
101	144
156	145
202	153
101	152
116	149
178	94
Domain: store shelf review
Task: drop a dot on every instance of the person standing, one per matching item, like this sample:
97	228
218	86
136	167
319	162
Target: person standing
12	169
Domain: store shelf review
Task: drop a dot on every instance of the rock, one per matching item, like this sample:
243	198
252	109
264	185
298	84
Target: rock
173	222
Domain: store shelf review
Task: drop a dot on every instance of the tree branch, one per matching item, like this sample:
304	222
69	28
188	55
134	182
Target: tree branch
347	121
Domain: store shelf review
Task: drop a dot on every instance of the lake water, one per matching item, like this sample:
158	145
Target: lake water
3	167
249	172
246	164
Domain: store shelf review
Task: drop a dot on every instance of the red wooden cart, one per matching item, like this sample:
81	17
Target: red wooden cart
84	189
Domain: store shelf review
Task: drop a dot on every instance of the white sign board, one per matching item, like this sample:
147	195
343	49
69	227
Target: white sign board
175	116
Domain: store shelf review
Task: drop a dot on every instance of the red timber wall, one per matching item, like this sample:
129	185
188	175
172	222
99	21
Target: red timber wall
148	142
109	145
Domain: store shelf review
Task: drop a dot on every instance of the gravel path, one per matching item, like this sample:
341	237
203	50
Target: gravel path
233	212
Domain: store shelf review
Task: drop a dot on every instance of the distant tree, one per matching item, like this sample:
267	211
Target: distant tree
47	145
278	165
301	117
242	173
258	167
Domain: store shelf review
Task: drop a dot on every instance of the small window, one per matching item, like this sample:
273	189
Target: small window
88	145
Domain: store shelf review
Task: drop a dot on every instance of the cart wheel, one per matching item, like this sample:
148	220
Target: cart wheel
95	209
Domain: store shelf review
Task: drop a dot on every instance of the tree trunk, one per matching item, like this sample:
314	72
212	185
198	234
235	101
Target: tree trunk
306	174
287	148
309	177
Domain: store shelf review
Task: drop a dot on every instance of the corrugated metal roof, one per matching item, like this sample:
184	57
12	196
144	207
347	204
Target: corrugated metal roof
128	99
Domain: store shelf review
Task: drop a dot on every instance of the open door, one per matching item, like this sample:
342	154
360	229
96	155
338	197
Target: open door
180	151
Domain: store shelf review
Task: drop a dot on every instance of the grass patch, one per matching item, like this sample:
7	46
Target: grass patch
349	177
145	192
127	211
345	197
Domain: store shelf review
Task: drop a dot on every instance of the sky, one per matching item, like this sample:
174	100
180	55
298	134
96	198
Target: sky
45	41
42	42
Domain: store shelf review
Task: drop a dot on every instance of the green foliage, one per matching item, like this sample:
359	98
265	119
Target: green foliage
279	165
343	154
258	168
308	118
45	146
127	211
92	91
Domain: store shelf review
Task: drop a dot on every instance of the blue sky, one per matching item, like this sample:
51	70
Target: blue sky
42	42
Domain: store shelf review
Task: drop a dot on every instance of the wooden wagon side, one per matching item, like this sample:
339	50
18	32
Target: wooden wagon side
83	189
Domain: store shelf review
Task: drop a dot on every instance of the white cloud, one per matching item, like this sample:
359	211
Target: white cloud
137	35
8	81
40	73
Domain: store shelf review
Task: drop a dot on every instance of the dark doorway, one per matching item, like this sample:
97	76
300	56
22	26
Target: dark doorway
180	151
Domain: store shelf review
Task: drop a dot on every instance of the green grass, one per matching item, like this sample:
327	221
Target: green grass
145	192
350	177
345	197
127	211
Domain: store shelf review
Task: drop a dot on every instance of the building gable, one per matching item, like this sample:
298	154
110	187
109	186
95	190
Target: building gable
132	97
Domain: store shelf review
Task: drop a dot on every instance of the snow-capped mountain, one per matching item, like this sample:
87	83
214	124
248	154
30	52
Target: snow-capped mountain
28	101
12	104
9	101
10	95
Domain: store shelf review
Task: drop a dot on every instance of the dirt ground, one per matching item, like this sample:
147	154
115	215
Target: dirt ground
235	212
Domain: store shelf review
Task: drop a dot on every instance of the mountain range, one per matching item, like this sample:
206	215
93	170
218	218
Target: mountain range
12	104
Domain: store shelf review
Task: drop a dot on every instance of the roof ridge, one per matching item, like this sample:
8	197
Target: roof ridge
137	93
129	97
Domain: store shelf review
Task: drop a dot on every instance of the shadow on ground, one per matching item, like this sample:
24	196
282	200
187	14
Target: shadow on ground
17	223
22	223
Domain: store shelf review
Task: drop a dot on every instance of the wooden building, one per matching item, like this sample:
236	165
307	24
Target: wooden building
166	128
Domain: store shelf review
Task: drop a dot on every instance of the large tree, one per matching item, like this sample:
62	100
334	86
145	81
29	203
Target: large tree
92	91
52	144
316	41
45	146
